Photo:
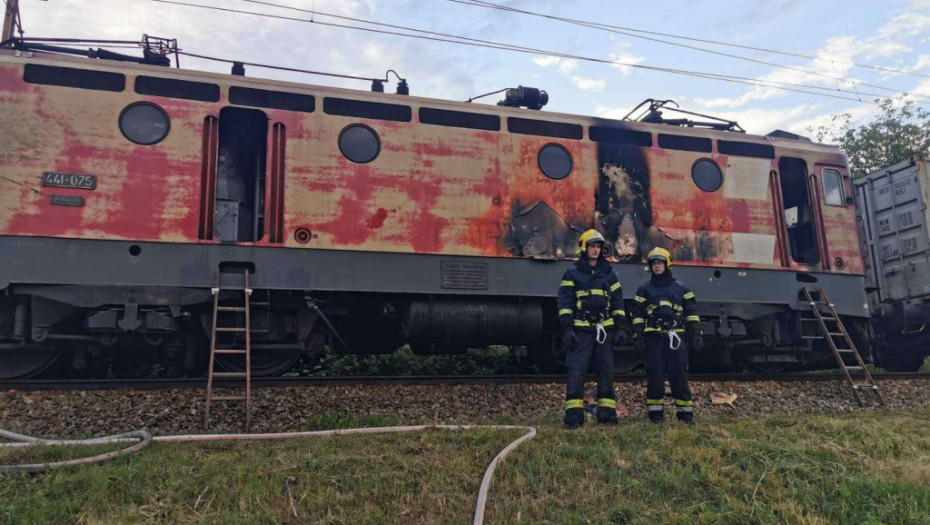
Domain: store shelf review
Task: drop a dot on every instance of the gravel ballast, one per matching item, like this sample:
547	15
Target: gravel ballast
280	409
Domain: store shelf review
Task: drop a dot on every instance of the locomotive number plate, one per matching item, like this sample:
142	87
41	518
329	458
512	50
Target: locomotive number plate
464	275
69	180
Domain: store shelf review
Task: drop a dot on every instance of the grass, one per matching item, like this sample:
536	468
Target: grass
871	468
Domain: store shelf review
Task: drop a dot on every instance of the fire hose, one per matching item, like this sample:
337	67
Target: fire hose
141	439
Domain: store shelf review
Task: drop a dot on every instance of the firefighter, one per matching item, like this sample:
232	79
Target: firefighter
665	324
592	319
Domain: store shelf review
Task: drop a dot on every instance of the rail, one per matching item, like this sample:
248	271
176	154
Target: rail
194	383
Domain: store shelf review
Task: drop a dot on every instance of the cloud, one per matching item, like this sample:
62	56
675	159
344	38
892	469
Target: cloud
923	62
922	89
269	41
762	121
623	58
547	61
564	65
912	23
589	84
860	114
835	62
612	112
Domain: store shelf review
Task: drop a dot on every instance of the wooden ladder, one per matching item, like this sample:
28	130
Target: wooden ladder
840	343
246	351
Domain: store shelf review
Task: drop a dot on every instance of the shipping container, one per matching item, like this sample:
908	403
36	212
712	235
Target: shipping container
893	217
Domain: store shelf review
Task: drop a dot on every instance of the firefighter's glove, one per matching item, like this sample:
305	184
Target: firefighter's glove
569	342
639	343
695	340
621	335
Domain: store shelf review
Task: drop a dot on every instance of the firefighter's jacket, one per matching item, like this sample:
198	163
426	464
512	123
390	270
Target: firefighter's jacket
662	304
590	295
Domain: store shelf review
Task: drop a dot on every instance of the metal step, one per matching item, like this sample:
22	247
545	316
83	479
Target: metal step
229	351
230	329
230	308
836	334
229	374
228	398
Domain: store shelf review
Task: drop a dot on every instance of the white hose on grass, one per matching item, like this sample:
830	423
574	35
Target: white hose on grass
142	438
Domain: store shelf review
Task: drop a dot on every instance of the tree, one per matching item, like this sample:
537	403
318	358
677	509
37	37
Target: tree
901	129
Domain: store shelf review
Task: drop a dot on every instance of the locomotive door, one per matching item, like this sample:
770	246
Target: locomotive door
833	194
240	175
800	223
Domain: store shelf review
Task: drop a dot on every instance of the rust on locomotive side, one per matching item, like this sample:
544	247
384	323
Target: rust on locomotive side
431	188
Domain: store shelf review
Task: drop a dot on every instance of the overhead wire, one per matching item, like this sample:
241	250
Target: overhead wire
598	25
394	26
478	3
269	66
456	39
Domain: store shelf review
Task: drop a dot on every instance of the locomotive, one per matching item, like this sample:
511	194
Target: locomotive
367	220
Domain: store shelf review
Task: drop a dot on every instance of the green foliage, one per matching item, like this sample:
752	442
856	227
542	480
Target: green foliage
901	129
786	469
475	361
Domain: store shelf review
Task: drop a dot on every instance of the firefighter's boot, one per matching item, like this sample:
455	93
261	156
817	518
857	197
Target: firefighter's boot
574	418
685	417
656	416
607	416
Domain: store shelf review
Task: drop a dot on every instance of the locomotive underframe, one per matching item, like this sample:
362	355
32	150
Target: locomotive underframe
102	292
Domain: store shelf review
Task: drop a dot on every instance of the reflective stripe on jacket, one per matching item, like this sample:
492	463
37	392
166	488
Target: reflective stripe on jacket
658	306
588	295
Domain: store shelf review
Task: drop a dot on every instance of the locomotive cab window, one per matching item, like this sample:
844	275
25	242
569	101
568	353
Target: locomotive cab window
832	188
706	175
555	161
144	123
359	143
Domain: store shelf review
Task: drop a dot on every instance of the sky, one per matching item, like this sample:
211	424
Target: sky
891	34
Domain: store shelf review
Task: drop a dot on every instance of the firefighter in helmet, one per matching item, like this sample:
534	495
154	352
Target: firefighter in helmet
592	320
665	324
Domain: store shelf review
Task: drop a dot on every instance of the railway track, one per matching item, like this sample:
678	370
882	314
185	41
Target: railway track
193	383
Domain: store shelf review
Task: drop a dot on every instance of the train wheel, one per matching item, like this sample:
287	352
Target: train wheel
26	362
265	362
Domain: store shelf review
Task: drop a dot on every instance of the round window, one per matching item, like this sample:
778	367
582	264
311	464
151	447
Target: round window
144	123
707	175
555	161
359	143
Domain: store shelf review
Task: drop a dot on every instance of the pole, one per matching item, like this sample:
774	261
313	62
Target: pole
10	18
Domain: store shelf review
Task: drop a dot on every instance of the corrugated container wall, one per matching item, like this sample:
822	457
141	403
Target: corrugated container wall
893	222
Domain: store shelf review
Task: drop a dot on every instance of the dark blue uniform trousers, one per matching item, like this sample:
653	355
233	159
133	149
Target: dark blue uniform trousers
661	359
577	362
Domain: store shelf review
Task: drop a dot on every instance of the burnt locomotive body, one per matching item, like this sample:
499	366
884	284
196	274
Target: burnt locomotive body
390	218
